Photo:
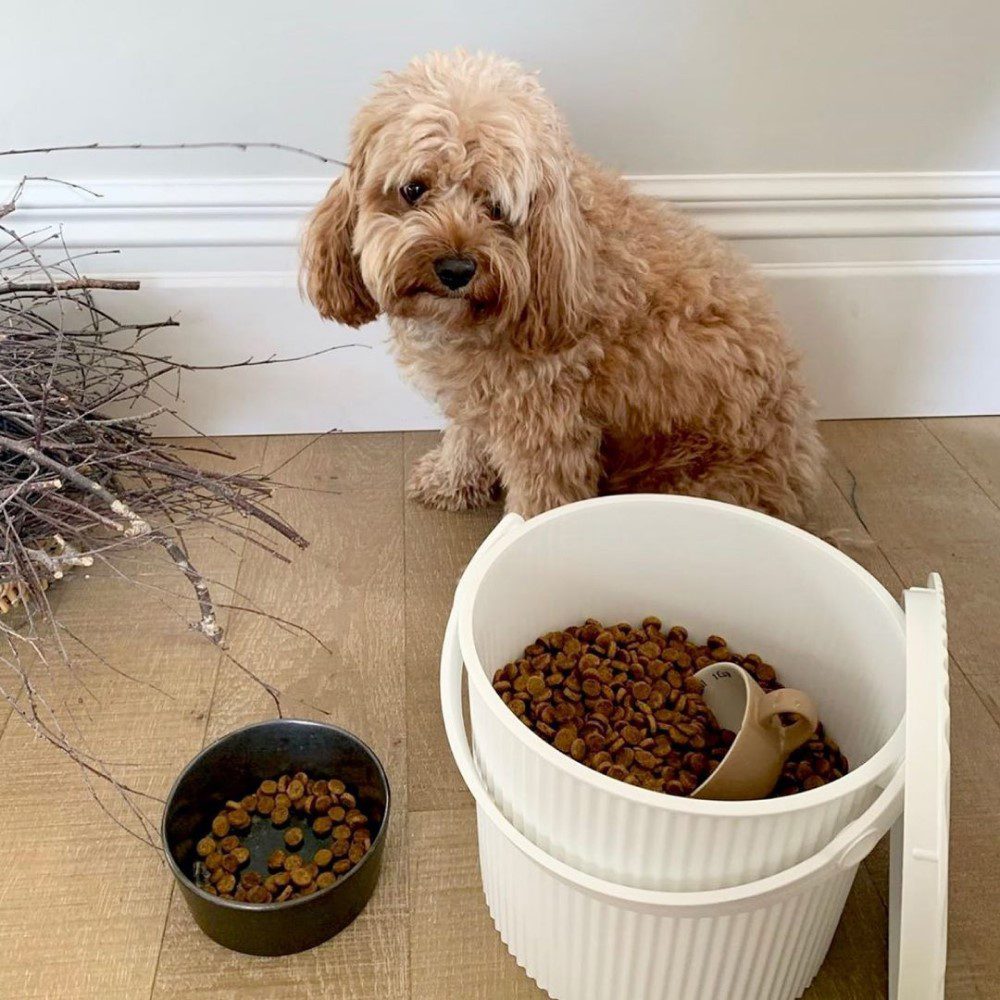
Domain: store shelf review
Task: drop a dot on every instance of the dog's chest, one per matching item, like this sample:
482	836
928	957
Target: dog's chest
471	379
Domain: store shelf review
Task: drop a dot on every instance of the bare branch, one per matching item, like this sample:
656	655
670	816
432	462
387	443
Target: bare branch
71	284
242	146
83	484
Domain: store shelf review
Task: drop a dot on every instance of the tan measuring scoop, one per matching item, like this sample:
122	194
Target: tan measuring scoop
753	764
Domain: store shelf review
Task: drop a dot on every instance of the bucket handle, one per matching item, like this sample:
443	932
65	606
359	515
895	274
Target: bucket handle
452	665
507	525
845	851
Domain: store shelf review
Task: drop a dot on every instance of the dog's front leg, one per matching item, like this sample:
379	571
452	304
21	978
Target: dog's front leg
456	475
546	467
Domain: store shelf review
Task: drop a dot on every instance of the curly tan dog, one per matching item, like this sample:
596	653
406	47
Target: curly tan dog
578	337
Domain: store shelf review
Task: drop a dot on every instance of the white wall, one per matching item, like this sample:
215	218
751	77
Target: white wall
852	149
664	87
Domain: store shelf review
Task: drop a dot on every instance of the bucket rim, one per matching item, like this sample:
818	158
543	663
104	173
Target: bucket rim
841	855
514	530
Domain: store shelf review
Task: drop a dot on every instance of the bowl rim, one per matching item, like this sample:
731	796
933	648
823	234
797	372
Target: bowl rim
885	758
234	904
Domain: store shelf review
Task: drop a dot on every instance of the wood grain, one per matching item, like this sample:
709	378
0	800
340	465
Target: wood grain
834	513
884	480
974	443
83	903
438	547
855	966
93	912
455	952
907	486
348	589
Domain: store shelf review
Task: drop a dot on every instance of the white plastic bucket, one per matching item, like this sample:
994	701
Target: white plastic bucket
584	938
829	627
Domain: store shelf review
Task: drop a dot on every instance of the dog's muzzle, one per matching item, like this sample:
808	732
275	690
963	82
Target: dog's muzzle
454	272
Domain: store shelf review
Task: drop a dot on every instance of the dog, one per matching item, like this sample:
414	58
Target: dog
579	338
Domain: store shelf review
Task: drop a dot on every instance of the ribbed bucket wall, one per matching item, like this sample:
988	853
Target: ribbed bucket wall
580	947
831	629
635	843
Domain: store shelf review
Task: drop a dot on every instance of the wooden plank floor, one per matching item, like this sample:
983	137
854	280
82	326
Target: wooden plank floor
88	912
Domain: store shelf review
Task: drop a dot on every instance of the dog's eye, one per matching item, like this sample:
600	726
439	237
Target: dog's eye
412	191
494	211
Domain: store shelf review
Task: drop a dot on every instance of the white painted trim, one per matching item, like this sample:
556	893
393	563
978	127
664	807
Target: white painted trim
819	187
269	211
880	268
879	339
767	206
887	325
876	268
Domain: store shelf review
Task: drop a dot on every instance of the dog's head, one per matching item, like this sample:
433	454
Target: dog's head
458	207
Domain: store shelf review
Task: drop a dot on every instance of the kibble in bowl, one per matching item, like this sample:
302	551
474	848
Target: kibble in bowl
240	833
279	856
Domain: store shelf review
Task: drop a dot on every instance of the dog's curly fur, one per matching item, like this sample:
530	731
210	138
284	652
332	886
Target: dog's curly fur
605	344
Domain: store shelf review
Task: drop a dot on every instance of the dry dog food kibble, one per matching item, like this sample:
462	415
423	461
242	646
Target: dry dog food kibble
294	837
287	806
624	701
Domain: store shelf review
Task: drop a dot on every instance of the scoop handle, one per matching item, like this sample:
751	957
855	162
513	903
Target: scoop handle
788	700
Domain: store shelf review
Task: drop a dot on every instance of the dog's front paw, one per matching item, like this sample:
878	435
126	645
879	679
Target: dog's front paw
434	483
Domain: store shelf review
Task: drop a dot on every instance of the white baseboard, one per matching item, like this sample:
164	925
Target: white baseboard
867	271
268	211
235	316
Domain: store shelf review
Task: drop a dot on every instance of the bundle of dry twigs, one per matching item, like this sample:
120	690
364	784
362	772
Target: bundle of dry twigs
81	476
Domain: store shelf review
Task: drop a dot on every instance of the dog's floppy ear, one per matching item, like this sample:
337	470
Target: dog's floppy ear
330	271
560	259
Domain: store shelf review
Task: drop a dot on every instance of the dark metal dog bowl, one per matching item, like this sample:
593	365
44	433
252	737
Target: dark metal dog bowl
230	768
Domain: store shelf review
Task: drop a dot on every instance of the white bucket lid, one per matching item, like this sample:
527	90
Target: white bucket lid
918	888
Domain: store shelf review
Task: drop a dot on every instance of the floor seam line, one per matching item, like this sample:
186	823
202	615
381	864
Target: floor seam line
204	735
951	656
875	883
406	711
163	937
469	806
236	587
989	496
885	554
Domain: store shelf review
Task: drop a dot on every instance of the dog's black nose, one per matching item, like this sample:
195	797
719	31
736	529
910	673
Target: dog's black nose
454	272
